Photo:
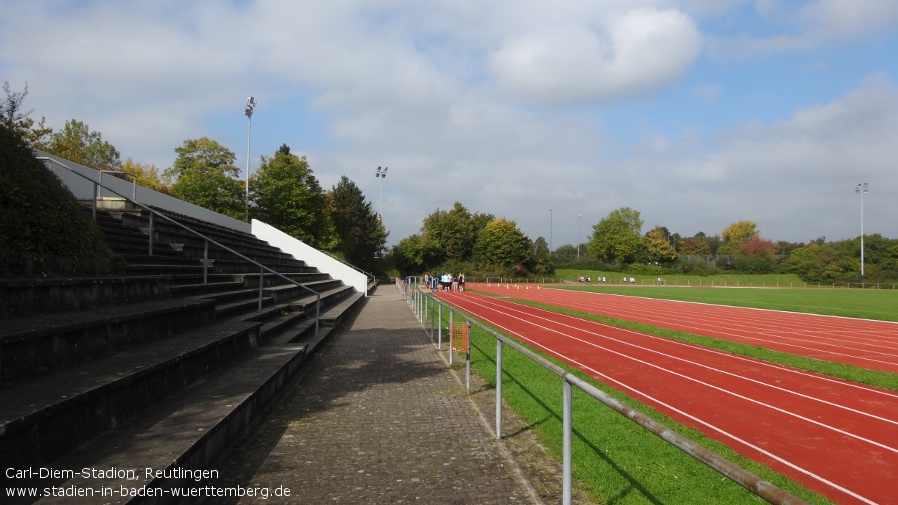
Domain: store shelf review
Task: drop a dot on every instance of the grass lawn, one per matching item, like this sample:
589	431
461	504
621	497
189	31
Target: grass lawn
881	304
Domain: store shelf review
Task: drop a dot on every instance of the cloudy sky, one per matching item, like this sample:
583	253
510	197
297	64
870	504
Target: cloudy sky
696	113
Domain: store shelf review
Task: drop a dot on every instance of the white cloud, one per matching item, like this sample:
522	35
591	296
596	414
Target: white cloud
639	50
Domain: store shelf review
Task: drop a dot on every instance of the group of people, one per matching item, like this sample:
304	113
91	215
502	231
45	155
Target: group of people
588	280
445	282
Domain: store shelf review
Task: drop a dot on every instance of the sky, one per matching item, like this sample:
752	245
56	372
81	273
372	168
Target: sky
696	113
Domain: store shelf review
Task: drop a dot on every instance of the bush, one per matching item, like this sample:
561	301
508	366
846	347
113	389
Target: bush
44	231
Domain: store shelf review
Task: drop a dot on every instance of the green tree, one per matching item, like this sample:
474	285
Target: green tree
566	253
75	142
815	262
288	196
361	235
542	260
33	132
205	175
40	219
452	230
501	243
414	255
657	246
617	237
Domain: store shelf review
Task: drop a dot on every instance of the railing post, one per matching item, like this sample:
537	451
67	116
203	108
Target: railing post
468	358
440	327
261	284
566	450
432	314
151	233
498	388
451	350
206	262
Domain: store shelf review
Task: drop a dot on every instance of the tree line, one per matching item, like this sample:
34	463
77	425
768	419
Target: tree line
283	192
482	245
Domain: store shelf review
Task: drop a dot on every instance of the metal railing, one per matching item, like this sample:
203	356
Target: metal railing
152	213
426	307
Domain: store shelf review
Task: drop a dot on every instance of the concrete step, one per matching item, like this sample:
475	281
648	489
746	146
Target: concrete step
48	416
36	345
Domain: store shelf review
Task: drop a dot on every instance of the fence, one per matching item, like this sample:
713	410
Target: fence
429	308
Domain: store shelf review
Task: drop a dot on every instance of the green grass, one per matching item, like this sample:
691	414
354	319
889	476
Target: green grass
722	280
614	460
881	304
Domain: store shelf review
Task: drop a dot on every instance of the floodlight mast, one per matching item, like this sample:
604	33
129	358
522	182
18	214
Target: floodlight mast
579	216
382	174
861	189
248	111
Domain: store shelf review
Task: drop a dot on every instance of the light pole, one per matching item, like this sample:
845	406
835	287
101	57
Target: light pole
861	189
550	232
250	105
578	237
382	175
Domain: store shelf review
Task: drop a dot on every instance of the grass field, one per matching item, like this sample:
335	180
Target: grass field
881	304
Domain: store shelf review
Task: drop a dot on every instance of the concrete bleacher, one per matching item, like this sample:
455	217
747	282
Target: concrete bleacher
162	366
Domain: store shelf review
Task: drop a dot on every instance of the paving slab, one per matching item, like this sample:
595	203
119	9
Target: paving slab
379	417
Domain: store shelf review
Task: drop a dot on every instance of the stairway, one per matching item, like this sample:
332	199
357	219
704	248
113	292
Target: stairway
160	368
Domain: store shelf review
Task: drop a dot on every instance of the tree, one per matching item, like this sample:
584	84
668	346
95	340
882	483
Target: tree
618	236
566	253
755	255
287	195
147	176
454	232
695	246
361	235
820	262
77	143
736	234
542	260
40	219
35	133
501	243
657	247
205	175
414	254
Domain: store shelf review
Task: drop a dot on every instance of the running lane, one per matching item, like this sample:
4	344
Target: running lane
859	342
836	437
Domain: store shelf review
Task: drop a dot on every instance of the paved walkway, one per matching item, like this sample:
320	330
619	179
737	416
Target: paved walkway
378	417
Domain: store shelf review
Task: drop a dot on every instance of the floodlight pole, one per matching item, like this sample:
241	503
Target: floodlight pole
550	232
382	175
578	237
861	189
250	106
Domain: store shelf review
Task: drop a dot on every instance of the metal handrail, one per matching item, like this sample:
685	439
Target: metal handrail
725	467
153	212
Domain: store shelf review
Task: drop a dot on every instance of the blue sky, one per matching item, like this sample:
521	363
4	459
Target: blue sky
696	113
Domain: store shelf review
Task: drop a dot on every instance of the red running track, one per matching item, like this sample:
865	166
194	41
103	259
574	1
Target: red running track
858	342
836	437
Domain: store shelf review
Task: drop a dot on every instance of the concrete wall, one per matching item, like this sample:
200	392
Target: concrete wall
313	257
